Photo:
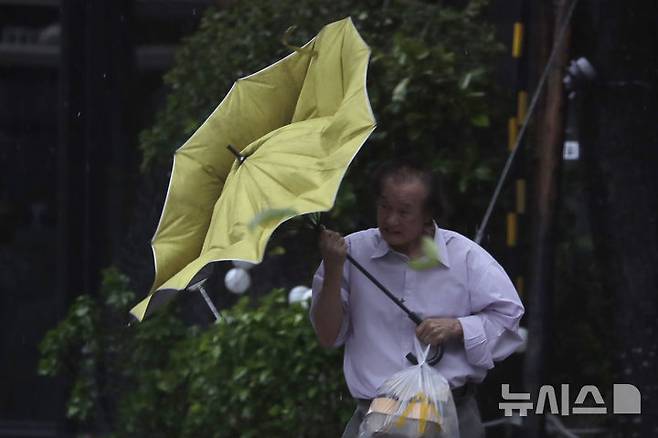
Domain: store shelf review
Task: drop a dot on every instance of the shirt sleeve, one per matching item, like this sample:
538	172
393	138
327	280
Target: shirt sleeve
318	278
491	331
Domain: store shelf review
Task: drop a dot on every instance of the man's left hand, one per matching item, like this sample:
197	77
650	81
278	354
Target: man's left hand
438	331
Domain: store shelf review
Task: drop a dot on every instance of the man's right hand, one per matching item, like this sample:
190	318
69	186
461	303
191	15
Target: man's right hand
328	311
333	249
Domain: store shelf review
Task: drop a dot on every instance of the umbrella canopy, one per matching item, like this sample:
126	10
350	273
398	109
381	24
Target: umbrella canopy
298	123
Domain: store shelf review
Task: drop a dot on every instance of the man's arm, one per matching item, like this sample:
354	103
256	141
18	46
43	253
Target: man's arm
327	311
491	333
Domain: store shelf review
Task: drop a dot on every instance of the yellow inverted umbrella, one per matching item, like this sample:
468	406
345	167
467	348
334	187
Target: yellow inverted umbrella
295	127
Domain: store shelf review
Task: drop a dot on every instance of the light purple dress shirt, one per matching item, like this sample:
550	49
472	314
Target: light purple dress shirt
468	285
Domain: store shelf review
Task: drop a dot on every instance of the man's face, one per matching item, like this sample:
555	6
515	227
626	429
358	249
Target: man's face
401	216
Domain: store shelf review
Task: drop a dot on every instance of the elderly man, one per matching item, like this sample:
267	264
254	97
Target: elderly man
467	303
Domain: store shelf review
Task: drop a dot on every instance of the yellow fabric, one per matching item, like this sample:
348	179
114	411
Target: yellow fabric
420	408
300	122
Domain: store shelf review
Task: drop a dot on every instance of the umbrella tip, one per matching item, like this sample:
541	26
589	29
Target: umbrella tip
302	50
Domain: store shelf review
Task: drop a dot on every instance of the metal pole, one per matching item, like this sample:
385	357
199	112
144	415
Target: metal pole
550	134
210	304
199	287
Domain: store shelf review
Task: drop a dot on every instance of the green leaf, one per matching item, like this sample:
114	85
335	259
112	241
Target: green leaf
271	216
277	251
400	91
465	82
430	257
481	120
82	311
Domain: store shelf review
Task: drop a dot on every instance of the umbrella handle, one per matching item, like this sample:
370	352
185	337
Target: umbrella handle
436	357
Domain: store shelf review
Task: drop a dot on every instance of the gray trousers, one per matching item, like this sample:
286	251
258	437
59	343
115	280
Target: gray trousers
468	415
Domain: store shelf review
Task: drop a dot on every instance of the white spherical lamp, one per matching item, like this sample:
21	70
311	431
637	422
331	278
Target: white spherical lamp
299	294
237	280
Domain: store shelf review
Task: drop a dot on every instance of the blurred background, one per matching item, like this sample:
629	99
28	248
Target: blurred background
97	95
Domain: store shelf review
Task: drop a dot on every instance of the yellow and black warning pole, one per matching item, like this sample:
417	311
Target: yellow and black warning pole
516	209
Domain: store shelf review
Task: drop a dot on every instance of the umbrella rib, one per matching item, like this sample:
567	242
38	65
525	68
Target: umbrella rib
309	166
254	204
295	154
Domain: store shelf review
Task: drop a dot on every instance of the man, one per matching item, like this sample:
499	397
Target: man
468	304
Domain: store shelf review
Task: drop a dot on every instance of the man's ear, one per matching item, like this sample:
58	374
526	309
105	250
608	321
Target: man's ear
428	227
429	220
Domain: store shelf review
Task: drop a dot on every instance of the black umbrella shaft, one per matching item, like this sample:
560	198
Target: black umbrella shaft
237	153
415	318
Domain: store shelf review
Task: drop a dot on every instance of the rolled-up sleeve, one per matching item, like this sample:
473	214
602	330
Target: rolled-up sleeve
491	331
318	278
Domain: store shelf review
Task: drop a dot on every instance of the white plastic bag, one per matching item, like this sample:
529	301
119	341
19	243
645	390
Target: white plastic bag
413	403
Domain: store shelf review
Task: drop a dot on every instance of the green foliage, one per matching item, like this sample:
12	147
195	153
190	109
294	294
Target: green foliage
73	349
260	372
429	83
101	356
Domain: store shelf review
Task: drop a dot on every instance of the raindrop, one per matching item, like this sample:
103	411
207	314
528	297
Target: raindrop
78	115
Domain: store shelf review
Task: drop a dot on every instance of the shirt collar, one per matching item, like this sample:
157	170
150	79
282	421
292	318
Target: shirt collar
382	248
441	241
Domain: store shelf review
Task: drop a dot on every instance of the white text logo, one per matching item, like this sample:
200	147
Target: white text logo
626	400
